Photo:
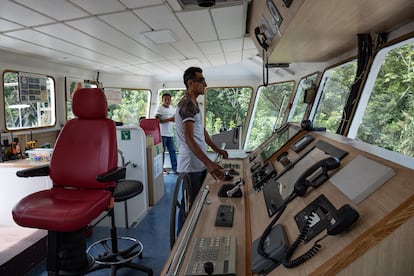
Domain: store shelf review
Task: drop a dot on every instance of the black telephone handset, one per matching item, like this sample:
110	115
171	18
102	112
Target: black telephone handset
261	38
314	176
341	221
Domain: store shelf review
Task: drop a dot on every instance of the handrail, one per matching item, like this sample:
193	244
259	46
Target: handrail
188	231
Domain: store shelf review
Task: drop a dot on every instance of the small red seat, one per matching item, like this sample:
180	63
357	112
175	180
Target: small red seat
152	127
84	170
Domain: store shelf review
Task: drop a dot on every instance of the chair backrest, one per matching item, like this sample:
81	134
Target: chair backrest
151	127
86	145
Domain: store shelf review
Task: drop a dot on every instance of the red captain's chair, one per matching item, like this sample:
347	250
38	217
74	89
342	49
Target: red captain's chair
84	170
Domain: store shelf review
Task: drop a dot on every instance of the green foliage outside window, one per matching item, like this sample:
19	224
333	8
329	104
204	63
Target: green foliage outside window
335	93
226	108
271	104
134	105
388	120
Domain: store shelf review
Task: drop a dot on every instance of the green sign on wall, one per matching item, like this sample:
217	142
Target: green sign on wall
125	135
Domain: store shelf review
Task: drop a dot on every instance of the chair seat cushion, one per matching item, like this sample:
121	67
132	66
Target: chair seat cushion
61	209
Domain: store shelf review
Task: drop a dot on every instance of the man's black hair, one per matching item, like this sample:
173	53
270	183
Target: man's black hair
189	74
165	94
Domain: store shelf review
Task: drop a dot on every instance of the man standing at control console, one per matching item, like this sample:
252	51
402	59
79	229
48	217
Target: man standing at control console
192	137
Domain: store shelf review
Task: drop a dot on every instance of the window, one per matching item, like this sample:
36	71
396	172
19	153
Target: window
29	100
127	105
176	95
270	105
226	108
385	114
332	96
299	106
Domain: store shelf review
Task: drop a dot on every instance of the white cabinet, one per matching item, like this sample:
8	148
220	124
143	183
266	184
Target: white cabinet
14	188
132	144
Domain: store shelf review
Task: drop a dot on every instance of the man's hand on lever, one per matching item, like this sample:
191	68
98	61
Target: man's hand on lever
223	153
215	170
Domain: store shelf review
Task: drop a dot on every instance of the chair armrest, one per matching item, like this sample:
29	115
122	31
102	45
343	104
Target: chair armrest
42	170
114	175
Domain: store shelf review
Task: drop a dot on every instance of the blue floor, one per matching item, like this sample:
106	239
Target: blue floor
152	231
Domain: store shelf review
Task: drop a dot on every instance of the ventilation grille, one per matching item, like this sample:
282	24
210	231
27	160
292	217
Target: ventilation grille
192	4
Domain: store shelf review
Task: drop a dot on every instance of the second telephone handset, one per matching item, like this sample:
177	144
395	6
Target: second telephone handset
338	221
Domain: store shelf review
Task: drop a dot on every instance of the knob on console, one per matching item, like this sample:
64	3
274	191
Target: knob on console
208	268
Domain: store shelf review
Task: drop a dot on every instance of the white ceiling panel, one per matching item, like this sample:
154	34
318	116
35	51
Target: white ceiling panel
81	62
233	57
168	66
217	59
110	35
210	47
21	15
59	45
150	67
67	33
132	4
229	21
232	45
248	43
159	18
249	53
7	26
199	25
99	6
189	49
127	22
58	9
28	48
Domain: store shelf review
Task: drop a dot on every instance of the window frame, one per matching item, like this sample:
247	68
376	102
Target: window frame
321	89
52	96
298	95
255	102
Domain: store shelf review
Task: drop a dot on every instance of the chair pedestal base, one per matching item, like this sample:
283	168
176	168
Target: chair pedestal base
106	257
66	253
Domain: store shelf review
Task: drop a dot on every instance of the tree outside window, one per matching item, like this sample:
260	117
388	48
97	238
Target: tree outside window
268	114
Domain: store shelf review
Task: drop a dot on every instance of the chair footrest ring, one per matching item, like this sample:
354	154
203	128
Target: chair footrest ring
103	253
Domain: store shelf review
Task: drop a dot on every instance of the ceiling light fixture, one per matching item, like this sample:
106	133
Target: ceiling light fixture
206	3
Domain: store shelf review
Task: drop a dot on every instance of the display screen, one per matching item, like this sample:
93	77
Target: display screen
275	143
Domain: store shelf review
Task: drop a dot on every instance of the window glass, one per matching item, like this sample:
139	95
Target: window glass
332	96
127	105
388	114
226	108
29	100
299	106
270	105
176	95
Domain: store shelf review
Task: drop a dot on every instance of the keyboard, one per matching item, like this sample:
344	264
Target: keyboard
220	251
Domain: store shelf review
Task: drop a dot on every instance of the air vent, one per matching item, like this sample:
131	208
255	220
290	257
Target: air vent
206	3
194	4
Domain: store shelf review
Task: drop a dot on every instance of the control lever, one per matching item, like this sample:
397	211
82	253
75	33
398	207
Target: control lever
237	186
231	190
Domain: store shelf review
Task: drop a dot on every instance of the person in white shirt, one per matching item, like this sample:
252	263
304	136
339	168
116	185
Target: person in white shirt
165	114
